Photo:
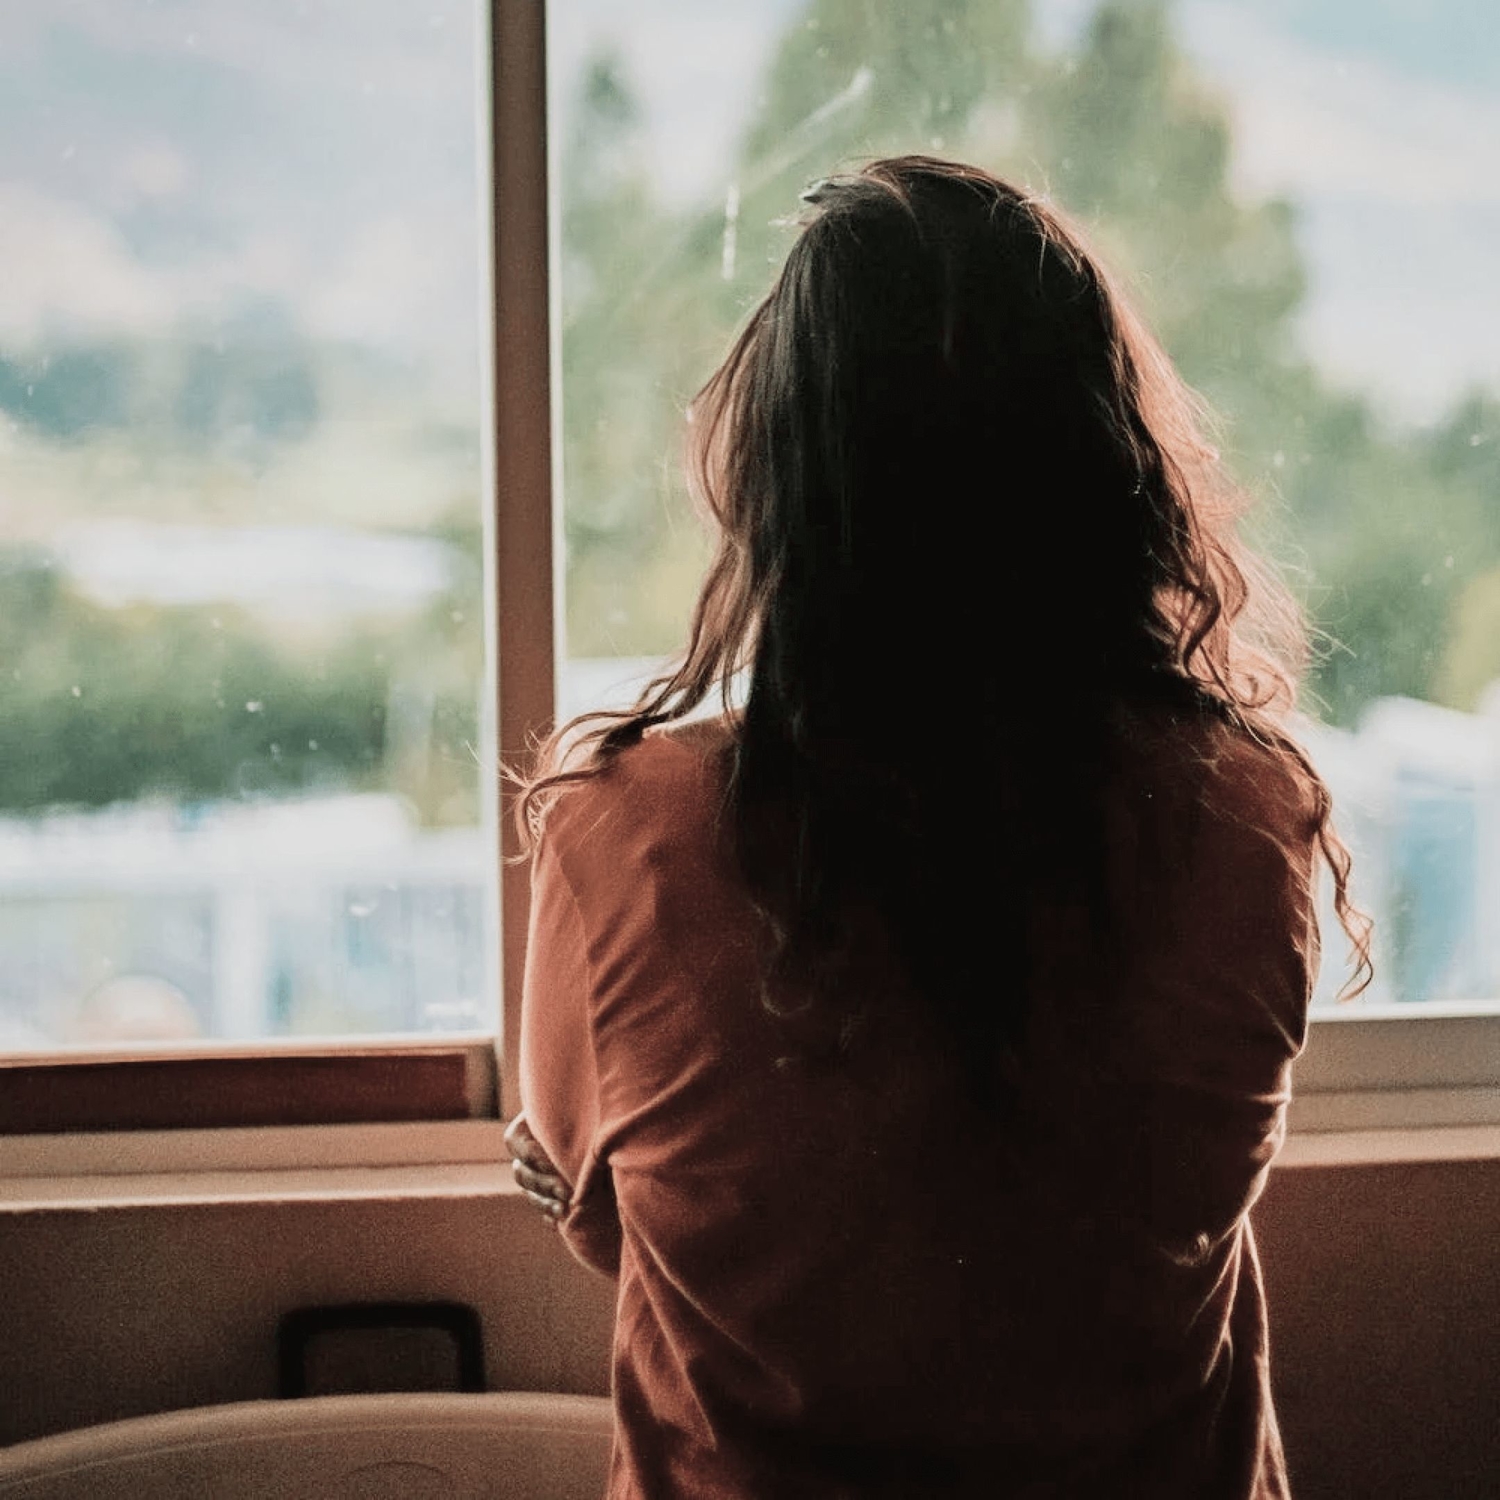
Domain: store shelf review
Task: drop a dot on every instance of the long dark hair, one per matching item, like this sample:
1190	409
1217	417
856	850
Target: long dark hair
965	509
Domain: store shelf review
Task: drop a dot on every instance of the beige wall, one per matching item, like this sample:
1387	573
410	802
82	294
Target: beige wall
123	1311
1385	1285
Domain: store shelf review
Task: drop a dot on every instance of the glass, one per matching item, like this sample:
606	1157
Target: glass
1303	198
242	626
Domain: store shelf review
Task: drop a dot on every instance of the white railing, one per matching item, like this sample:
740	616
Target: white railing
339	914
320	914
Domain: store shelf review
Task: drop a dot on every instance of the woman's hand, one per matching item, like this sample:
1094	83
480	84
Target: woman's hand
535	1173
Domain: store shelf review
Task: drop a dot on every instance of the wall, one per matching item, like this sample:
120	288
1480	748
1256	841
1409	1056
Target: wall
1385	1287
119	1312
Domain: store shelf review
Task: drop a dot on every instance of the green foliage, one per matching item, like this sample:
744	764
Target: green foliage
851	78
628	340
1464	455
1135	145
100	705
178	703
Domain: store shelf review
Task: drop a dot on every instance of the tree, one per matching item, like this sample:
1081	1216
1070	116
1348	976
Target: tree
628	328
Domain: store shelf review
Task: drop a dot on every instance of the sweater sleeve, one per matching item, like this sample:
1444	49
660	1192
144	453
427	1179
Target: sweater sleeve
1221	1003
559	1076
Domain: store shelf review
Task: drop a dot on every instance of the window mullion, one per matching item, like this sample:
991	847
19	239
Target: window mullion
524	591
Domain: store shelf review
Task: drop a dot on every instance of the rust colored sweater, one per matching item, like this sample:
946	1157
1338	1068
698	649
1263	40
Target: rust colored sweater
846	1282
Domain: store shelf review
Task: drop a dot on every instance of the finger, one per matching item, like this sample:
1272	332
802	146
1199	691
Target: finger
549	1183
524	1146
545	1183
549	1206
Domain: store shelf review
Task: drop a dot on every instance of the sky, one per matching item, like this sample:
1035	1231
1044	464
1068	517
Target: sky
192	161
170	163
1387	137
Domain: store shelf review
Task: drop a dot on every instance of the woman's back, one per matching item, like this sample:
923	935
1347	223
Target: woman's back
840	1275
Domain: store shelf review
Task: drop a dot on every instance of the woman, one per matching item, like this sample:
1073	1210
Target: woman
913	1042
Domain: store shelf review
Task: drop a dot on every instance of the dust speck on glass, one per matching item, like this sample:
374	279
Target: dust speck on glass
1302	195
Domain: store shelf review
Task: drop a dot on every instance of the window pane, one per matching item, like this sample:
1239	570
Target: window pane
242	629
1304	198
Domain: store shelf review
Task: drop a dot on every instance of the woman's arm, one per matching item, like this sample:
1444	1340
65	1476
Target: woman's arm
557	1143
1220	993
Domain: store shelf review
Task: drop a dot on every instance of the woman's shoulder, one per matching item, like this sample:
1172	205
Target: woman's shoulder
665	787
1211	767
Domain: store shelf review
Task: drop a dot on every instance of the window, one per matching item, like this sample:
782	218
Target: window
1301	199
244	701
1319	274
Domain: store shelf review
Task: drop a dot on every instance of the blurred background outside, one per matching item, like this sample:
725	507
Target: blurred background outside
242	621
243	722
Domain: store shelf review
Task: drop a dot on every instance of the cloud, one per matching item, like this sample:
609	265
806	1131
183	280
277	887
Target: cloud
67	267
154	169
303	570
1404	303
1312	121
1396	178
397	280
402	51
195	158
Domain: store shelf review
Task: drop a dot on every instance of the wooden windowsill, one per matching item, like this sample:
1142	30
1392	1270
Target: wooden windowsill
321	1185
455	1159
267	1085
113	1169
